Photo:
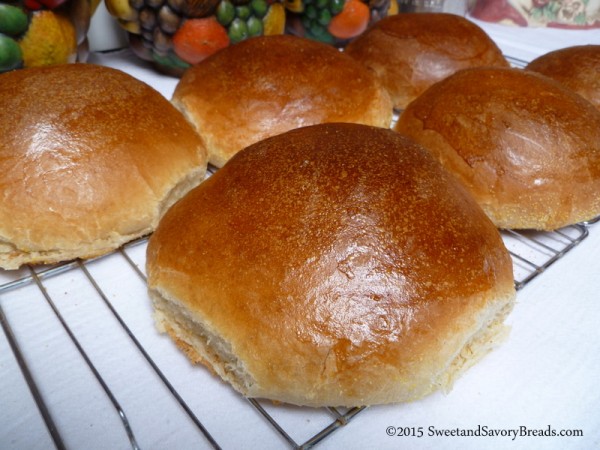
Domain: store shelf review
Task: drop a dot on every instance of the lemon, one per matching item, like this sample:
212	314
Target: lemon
50	39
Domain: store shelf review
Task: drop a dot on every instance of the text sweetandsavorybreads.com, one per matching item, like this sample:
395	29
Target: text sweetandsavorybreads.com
483	431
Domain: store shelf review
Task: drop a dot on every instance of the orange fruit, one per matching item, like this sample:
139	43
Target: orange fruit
351	21
197	39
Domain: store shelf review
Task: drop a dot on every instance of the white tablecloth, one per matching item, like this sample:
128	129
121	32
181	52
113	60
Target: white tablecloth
544	378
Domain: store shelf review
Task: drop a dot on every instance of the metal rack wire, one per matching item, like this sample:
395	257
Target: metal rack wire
533	252
94	283
94	308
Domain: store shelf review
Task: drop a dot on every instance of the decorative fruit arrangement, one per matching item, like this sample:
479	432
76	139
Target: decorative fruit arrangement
335	21
174	34
43	32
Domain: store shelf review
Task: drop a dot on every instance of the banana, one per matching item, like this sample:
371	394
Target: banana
296	6
274	21
121	9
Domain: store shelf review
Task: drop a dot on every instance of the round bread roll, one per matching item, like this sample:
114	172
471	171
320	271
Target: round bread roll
526	147
89	157
412	51
271	84
577	68
336	264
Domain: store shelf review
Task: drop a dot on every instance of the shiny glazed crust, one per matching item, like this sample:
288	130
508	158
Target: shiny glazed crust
526	147
409	52
412	51
267	85
89	158
335	264
577	68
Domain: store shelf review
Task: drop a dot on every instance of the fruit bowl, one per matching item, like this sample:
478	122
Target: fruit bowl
174	34
43	32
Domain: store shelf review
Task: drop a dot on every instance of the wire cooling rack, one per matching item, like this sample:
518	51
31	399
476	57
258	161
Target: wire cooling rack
101	369
87	369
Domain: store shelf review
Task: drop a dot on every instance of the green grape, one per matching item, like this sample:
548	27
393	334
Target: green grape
225	12
238	30
336	6
260	8
324	17
13	20
311	12
243	12
11	56
320	33
255	26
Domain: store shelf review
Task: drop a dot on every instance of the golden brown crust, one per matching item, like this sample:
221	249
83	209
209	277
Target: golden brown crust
577	68
527	148
88	157
336	264
271	84
412	51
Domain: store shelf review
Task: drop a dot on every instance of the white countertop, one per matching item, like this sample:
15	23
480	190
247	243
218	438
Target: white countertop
544	377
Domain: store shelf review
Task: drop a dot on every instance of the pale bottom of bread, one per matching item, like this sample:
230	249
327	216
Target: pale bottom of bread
205	346
13	256
491	332
200	344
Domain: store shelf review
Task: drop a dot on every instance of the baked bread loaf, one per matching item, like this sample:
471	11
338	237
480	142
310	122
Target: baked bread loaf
526	147
412	51
336	264
89	157
271	84
577	68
